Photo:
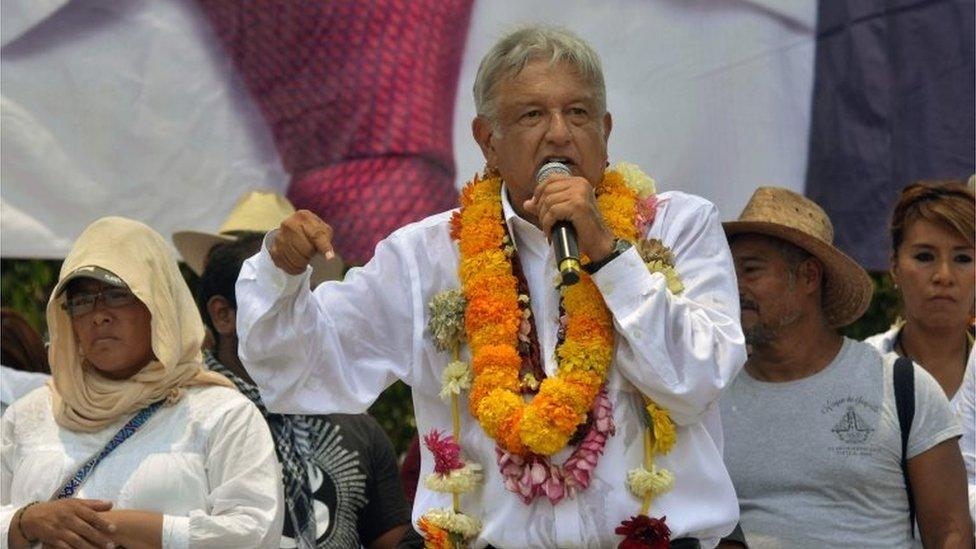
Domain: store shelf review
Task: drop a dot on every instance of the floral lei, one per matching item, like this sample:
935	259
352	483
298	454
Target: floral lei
493	315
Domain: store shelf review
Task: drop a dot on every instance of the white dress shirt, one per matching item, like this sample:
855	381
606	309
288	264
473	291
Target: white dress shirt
337	349
207	464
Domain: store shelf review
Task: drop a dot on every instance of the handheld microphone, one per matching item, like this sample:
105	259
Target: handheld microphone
563	233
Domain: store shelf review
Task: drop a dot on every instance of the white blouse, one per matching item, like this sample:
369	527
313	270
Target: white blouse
337	349
207	464
963	404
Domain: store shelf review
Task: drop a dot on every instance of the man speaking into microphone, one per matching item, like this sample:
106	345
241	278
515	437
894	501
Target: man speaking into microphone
569	415
562	233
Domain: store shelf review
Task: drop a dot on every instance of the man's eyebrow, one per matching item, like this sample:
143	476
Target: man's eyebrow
526	103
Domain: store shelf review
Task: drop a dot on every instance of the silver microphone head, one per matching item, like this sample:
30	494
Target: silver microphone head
551	168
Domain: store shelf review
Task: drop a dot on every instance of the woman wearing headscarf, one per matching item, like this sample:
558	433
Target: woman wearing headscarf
933	230
133	442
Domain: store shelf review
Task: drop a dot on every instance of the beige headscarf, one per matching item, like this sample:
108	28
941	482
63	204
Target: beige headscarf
83	399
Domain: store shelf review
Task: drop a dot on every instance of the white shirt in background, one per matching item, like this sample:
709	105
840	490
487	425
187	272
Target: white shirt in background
207	464
963	403
17	383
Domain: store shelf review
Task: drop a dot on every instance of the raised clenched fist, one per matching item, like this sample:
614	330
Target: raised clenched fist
301	235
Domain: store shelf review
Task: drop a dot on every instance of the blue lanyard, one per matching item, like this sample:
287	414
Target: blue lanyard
71	486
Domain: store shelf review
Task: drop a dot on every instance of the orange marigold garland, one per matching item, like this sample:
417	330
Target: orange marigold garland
495	323
493	317
434	537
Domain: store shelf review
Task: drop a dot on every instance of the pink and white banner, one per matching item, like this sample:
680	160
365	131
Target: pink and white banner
154	109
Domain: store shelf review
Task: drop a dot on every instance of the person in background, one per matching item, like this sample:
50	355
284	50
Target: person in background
339	471
23	358
812	436
134	443
932	250
410	470
256	211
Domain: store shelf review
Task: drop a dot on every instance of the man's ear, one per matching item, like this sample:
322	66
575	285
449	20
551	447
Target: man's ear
222	315
811	274
607	126
483	130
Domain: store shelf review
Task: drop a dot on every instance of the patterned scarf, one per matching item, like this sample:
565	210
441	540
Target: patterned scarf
298	491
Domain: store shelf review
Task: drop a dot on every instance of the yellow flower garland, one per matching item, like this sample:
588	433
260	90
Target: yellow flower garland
492	320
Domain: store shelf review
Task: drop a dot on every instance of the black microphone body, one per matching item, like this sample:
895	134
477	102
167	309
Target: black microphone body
563	233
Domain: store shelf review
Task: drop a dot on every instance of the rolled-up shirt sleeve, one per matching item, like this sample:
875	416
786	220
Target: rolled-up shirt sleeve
682	349
348	340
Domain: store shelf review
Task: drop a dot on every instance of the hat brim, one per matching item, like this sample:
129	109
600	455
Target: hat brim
194	246
847	287
93	272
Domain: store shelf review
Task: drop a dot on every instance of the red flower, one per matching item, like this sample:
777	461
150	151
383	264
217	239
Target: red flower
644	532
456	225
447	452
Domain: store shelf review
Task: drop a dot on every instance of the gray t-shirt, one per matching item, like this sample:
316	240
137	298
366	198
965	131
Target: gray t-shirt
816	461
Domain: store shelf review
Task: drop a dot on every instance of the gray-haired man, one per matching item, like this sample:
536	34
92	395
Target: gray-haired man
590	409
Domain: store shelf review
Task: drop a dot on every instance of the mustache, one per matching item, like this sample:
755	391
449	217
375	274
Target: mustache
746	303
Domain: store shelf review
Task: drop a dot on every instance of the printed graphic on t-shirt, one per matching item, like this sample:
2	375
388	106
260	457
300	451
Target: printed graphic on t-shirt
851	428
856	421
338	488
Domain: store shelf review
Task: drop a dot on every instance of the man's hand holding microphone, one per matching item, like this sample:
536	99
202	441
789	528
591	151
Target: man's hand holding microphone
566	209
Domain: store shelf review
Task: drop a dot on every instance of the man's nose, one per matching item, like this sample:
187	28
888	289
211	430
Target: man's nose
739	282
558	131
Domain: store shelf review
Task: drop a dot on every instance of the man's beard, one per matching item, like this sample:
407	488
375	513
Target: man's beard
759	335
763	334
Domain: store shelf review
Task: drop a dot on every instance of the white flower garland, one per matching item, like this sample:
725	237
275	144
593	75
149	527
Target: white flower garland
458	481
447	519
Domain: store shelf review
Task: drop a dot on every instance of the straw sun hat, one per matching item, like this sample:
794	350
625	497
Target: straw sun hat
786	215
255	212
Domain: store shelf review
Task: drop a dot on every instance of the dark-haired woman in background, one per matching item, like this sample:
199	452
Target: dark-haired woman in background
23	358
932	236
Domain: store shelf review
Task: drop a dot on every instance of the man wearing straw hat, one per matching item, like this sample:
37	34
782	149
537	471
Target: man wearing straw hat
256	211
339	471
812	438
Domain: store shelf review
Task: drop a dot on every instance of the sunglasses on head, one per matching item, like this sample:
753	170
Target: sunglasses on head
82	303
935	192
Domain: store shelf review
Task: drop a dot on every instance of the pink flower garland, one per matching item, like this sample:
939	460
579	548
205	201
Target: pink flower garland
646	211
534	475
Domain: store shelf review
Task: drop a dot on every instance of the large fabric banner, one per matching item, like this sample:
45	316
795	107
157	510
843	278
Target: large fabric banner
894	104
167	111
